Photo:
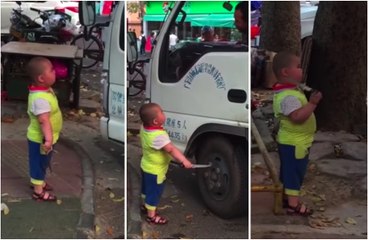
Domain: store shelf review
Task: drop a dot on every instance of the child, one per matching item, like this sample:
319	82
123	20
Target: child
45	124
297	128
157	153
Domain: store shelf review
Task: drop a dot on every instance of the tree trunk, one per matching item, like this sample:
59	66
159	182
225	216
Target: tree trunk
338	66
280	30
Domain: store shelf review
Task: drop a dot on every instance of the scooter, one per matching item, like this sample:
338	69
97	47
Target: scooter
55	27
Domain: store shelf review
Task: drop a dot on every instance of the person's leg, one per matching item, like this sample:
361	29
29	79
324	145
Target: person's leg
281	175
37	163
293	175
289	173
153	194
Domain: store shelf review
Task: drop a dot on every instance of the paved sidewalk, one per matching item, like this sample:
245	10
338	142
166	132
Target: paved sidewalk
28	218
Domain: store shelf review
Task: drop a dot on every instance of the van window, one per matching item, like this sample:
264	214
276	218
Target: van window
184	44
122	31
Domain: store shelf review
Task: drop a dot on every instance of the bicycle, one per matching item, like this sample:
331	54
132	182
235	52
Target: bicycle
90	42
136	78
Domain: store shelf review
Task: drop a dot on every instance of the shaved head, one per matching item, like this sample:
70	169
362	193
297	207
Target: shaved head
36	66
148	113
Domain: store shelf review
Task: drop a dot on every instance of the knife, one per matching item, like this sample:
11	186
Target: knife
193	165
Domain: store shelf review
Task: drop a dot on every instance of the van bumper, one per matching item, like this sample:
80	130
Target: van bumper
103	127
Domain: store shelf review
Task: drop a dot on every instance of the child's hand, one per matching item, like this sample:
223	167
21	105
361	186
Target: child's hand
315	97
47	146
187	164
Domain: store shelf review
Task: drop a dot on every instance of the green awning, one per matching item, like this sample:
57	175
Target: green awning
154	18
160	17
200	20
214	20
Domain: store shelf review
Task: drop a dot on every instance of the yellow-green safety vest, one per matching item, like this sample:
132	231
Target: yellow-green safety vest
154	161
34	132
299	135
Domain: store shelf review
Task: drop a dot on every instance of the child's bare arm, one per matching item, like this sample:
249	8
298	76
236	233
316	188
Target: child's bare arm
302	114
44	120
177	155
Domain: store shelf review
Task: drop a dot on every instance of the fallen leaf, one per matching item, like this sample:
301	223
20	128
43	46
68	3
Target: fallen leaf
93	115
118	199
145	235
7	119
155	235
113	179
58	202
174	196
302	192
109	231
31	229
321	209
81	112
112	195
351	221
97	229
5	208
112	149
316	199
175	200
189	217
164	207
322	197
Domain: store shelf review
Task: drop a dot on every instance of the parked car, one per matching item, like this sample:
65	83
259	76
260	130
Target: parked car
308	10
68	7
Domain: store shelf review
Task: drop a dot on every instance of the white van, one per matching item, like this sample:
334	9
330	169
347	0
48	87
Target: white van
112	125
203	89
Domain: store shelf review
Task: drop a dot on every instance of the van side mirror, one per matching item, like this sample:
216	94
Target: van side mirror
87	13
132	53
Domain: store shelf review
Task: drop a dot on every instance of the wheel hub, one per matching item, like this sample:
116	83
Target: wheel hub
217	178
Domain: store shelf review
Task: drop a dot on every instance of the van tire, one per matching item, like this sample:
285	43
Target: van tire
223	186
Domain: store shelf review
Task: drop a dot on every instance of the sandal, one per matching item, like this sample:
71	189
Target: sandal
157	219
298	210
144	209
47	187
44	196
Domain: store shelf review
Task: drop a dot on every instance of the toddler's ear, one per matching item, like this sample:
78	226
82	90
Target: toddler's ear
284	72
154	121
40	79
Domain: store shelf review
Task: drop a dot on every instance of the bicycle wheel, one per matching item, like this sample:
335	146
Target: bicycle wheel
92	50
136	82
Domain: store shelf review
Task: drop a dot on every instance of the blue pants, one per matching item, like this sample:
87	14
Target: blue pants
38	163
151	190
292	170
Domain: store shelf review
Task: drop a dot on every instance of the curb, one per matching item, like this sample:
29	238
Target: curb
134	224
300	229
85	227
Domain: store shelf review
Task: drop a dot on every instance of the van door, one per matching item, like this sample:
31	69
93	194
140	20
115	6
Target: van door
113	124
198	83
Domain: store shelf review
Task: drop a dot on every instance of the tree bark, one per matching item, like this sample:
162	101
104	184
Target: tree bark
338	66
280	30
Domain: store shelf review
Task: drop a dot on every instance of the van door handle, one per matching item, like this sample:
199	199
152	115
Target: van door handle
237	96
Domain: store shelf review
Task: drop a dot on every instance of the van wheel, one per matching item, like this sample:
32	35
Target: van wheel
223	186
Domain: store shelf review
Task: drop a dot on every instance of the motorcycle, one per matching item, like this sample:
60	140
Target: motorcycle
55	28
